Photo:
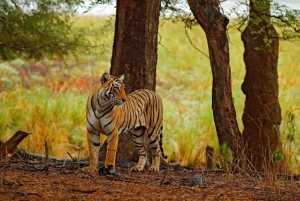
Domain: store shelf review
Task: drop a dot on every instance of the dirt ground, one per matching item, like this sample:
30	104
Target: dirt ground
20	181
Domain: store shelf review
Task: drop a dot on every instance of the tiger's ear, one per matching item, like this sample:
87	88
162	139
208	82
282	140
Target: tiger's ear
105	78
121	77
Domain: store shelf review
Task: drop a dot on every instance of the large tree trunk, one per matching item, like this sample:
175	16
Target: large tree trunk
135	53
214	25
262	113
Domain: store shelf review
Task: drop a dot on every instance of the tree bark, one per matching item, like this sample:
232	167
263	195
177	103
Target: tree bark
210	157
135	54
214	25
262	113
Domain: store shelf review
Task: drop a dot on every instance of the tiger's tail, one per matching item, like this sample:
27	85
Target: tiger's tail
160	144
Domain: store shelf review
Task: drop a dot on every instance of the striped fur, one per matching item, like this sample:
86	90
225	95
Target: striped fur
109	111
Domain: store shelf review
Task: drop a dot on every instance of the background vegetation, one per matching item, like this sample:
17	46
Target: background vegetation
48	98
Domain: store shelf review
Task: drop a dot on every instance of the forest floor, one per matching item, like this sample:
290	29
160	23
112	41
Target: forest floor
21	181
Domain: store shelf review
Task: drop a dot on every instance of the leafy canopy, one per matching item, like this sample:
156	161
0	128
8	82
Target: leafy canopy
39	28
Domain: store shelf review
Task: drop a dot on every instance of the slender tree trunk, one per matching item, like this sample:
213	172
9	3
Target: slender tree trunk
214	25
262	113
135	53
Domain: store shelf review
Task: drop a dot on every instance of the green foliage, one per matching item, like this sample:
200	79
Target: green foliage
291	139
8	76
227	156
277	155
285	19
226	152
36	29
177	11
95	3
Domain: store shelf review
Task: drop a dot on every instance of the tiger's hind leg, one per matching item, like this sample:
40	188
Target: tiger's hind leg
138	141
156	151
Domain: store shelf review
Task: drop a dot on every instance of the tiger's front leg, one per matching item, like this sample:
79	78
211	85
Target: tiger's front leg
110	159
94	146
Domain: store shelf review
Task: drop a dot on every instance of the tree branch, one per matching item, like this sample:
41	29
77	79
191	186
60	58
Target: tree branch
186	33
17	7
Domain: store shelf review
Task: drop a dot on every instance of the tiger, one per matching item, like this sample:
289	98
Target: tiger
111	112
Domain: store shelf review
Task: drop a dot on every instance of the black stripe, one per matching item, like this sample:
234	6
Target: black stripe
134	142
93	107
110	140
150	132
87	119
156	147
108	123
122	130
107	111
137	136
99	101
93	132
113	113
155	140
124	111
95	144
110	132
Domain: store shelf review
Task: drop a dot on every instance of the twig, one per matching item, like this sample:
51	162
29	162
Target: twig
17	7
78	158
74	160
159	42
46	158
162	181
186	33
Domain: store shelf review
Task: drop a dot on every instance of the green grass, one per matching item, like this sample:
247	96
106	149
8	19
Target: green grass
52	116
184	81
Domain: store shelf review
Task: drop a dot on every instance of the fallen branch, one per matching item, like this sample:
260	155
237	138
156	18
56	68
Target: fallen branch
10	145
36	159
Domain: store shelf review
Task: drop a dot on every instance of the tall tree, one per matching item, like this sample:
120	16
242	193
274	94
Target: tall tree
135	54
262	113
214	25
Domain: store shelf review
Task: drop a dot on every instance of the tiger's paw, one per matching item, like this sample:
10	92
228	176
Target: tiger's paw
110	170
154	169
137	168
89	169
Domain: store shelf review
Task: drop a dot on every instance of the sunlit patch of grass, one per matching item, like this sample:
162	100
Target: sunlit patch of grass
55	117
186	87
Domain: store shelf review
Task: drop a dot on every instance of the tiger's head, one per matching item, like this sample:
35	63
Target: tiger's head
113	89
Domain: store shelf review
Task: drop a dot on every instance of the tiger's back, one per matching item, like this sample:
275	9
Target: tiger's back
142	108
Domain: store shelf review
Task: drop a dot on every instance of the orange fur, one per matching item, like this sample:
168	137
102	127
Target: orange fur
110	112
